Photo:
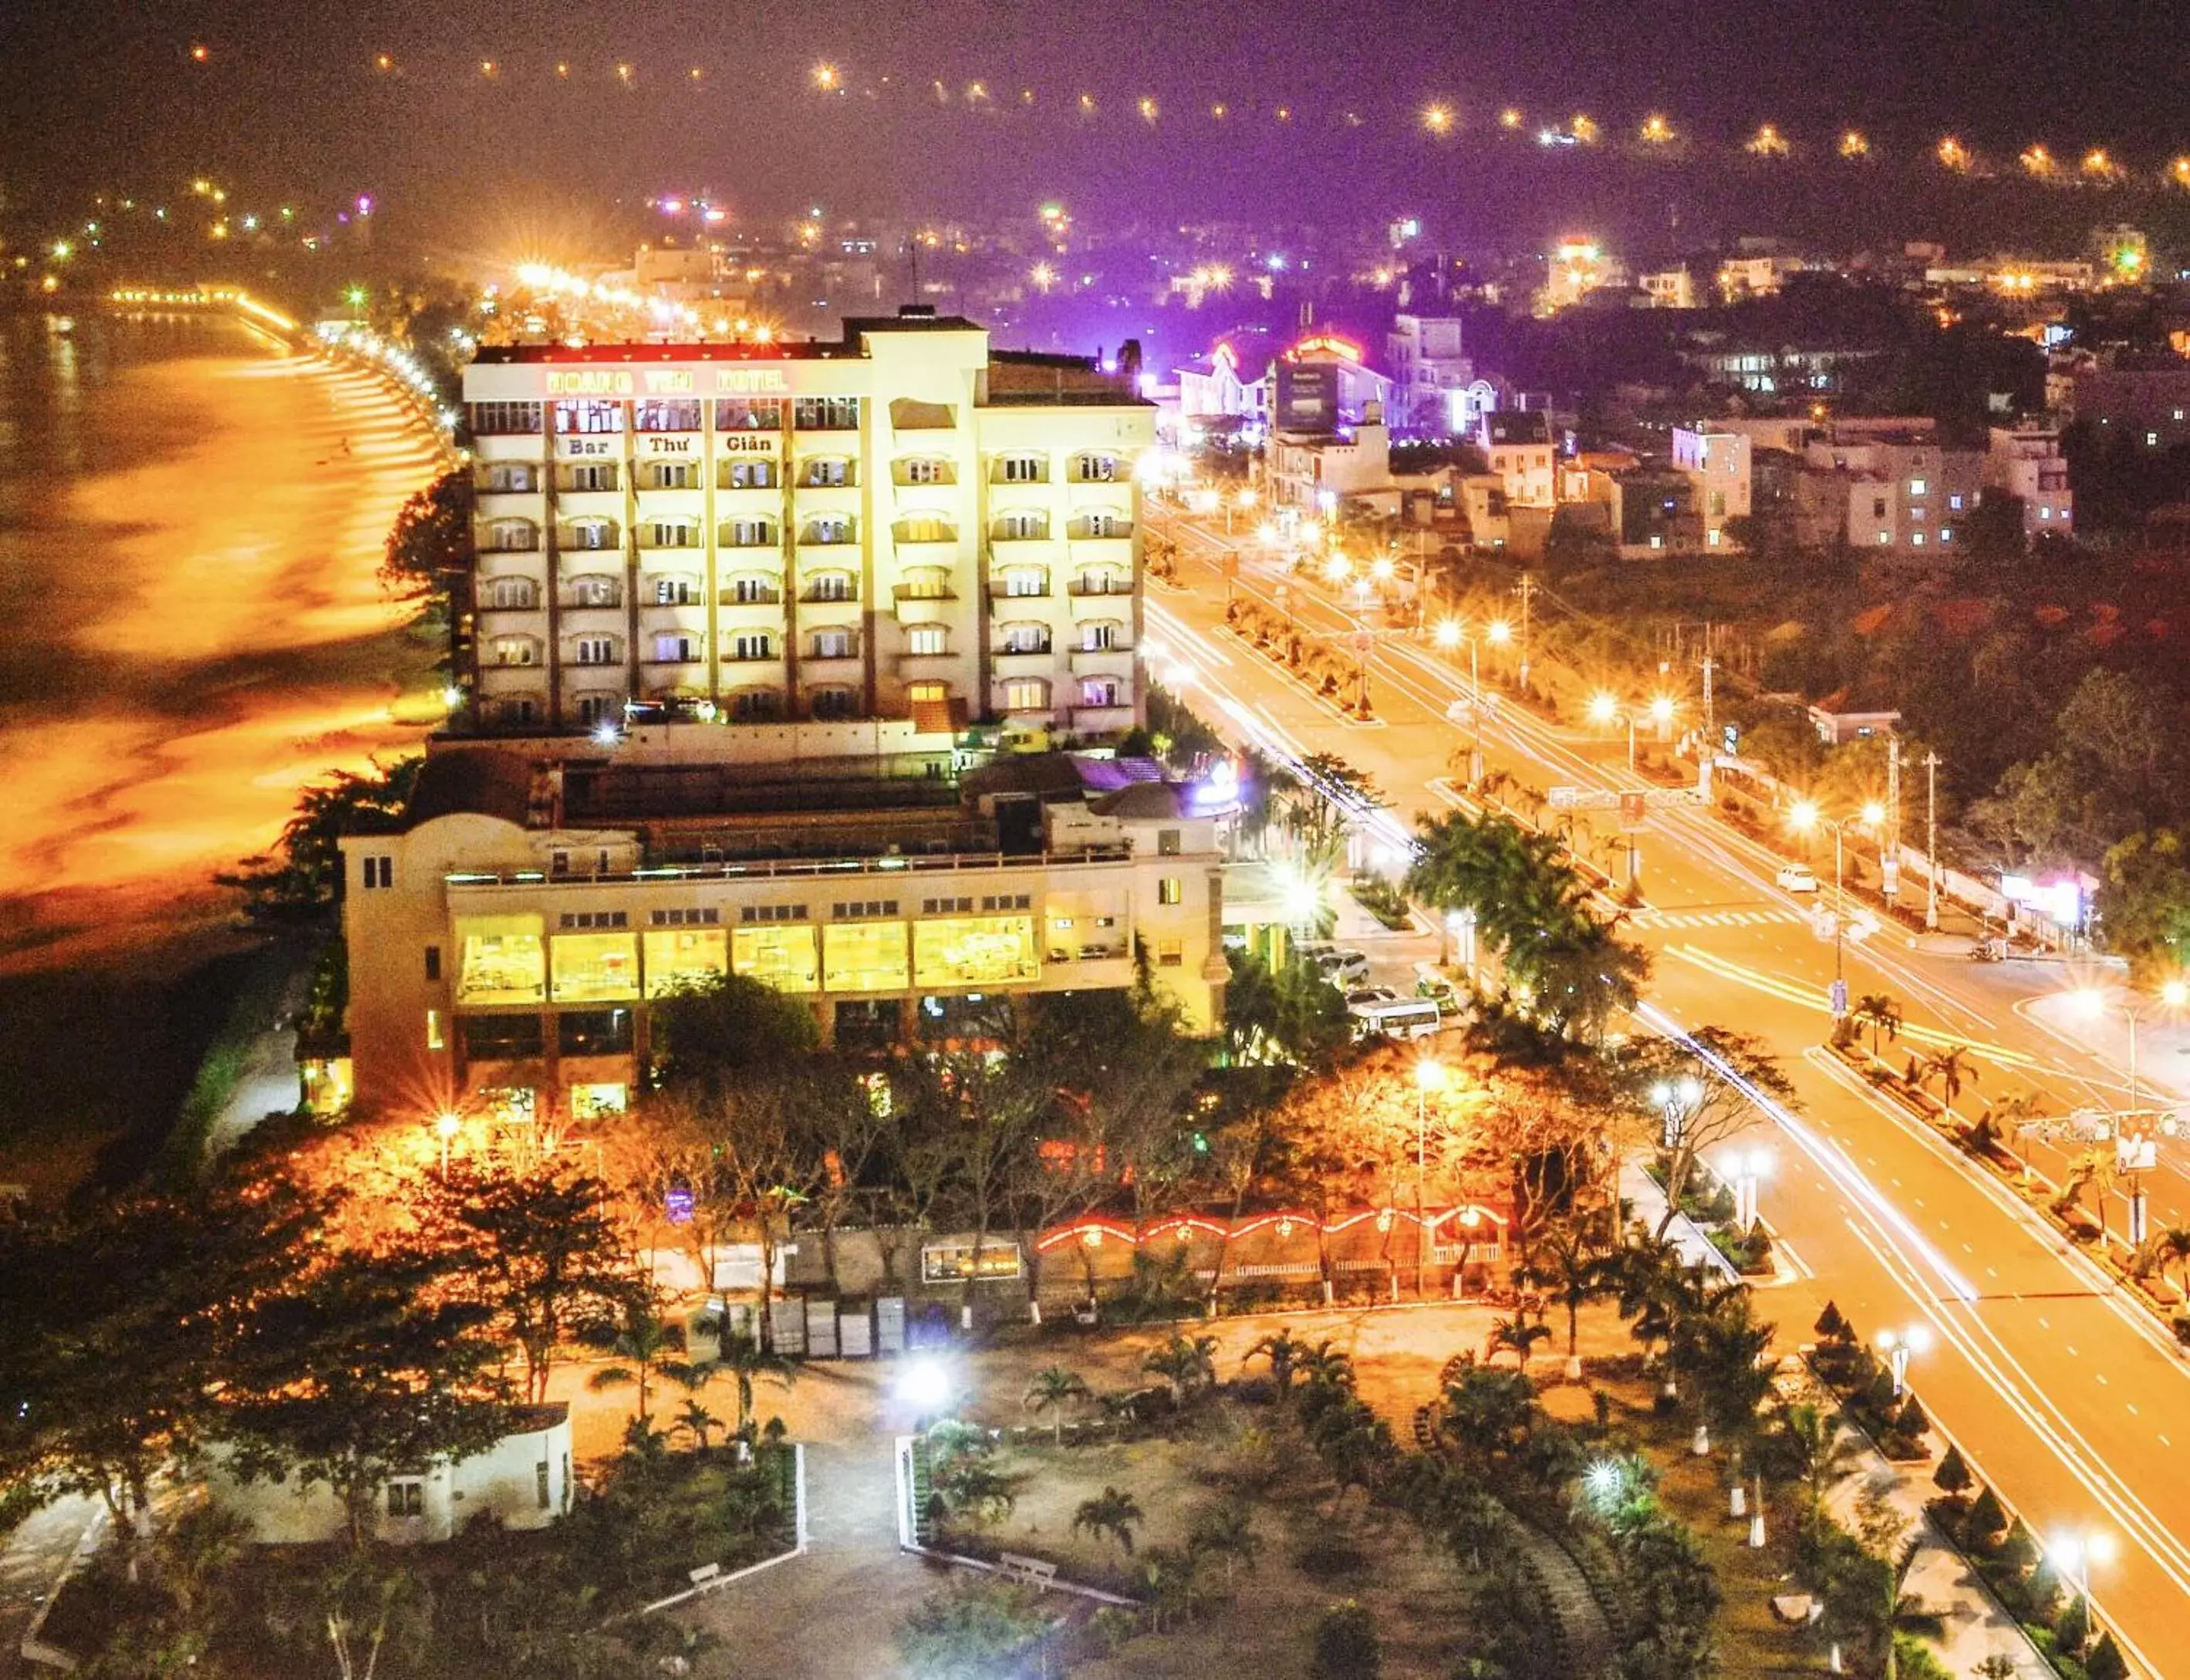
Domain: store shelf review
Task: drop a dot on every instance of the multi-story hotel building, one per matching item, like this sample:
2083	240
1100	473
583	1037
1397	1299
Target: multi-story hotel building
907	522
508	944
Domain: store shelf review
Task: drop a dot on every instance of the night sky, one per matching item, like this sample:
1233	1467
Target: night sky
104	93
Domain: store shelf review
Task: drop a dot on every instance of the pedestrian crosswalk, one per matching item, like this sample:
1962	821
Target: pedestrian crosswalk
1761	916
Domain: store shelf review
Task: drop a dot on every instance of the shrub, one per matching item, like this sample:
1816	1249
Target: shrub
1953	1476
2072	1626
1911	1420
1324	1554
1831	1326
2105	1661
1987	1519
2019	1551
1346	1644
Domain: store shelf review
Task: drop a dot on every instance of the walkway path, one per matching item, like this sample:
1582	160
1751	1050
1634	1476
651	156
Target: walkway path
1590	1645
31	1560
836	1610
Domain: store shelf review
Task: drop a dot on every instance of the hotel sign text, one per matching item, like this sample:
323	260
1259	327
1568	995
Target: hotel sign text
661	382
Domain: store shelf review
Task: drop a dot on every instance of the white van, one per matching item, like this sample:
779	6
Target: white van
1394	1016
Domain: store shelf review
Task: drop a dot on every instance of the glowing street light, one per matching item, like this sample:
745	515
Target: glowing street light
827	77
2093	1004
2074	1553
1899	1344
1855	145
446	1125
1437	119
1656	130
1448	633
1744	1169
1677	1099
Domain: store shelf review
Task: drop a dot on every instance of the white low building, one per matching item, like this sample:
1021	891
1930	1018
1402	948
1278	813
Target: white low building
523	1481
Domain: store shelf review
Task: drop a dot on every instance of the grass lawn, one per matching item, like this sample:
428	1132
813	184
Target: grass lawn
1311	1555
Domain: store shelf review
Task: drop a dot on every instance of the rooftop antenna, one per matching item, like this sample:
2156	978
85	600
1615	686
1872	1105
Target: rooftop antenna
915	249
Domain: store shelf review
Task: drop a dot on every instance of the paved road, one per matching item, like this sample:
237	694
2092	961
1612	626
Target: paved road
2071	1399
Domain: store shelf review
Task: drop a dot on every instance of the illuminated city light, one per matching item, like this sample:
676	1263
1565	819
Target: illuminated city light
2038	162
1855	144
1954	154
1656	130
1767	142
1437	119
1510	117
1147	109
826	78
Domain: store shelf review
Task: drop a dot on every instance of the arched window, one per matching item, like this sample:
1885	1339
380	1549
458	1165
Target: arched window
824	472
831	585
834	702
748	534
509	594
1026	694
593	533
508	651
678	589
829	528
505	477
1024	637
669	534
1023	526
596	589
512	536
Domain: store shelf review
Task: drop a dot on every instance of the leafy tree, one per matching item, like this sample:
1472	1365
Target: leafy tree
1346	1647
973	1632
121	1321
1110	1513
711	1033
1663	1075
1288	1013
1225	1531
301	881
1489	1414
694	1418
2072	1628
2106	1661
541	1251
1169	1580
1052	1390
1519	1335
1283	1349
432	536
1953	1477
1949	1068
1575	1272
360	1368
2143	907
1812	1451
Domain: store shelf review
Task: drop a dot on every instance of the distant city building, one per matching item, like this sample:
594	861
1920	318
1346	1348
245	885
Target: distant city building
1671	289
1319	471
1885	484
1434	388
1717	463
2026	462
505	948
1518	445
1575	268
905	520
2147	406
1756	277
1771	370
1654	512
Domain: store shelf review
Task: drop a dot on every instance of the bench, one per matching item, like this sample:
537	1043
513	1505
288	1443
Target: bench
703	1574
1027	1571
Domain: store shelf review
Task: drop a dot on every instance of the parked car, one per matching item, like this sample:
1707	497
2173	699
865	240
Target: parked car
1343	967
1440	990
1796	877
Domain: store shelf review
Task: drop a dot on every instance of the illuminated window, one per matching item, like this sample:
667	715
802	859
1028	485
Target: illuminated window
684	957
597	650
1917	487
783	957
824	472
677	591
1100	635
1095	468
926	528
1916	539
829	528
974	951
1026	581
435	1039
1026	694
829	586
591	533
1169	889
834	644
864	957
954	1263
1022	469
593	475
753	589
505	960
674	475
588	416
590	966
748	534
677	648
748	414
596	589
1025	638
921	469
1102	523
749	474
666	414
595	1102
927	639
1023	526
516	650
1955	502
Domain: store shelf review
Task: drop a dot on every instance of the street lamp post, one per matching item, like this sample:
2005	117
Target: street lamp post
1899	1345
2173	994
2075	1554
1804	817
1450	633
1677	1098
446	1125
1745	1170
1931	841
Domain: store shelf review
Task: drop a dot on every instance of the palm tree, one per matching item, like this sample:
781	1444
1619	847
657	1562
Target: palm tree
745	1359
2172	1246
1051	1390
1325	1365
1183	1365
1284	1350
1167	1574
1574	1272
697	1422
1112	1512
1820	1454
1881	1014
1951	1067
643	1340
1226	1532
2092	1169
1517	1335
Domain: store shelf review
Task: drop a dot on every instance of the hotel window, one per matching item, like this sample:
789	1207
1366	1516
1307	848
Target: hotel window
748	475
921	469
678	592
594	966
926	583
1099	635
1916	539
685	958
864	957
748	533
588	1101
752	590
708	917
505	478
2152	439
756	706
974	951
825	473
1026	694
1025	638
435	1038
752	644
829	586
674	475
825	414
593	533
512	536
597	650
945	906
1955	502
1102	523
851	910
510	594
1022	469
931	693
593	475
379	873
1167	843
593	1032
1026	581
1170	954
786	958
599	708
834	702
504	960
505	419
925	528
829	528
581	419
516	650
834	644
1170	889
926	641
676	648
1095	468
581	920
1918	487
771	912
406	1498
748	414
1098	691
666	414
1023	526
1101	580
670	534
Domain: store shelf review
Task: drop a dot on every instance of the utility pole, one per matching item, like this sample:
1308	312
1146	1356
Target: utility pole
1526	589
1710	720
1931	841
